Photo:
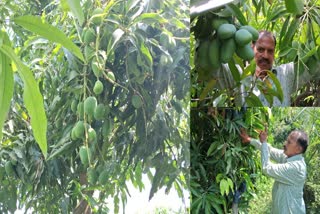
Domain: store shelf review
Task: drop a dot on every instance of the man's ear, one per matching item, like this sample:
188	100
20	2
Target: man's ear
299	148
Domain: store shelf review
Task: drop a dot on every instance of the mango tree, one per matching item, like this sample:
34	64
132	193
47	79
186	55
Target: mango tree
105	86
222	168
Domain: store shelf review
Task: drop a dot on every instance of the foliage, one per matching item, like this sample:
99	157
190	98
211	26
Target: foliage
297	31
139	50
220	164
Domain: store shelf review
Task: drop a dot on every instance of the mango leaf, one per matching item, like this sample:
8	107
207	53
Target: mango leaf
208	88
305	57
224	187
33	100
76	9
116	36
287	39
284	29
234	71
277	84
211	148
294	6
145	51
6	82
65	6
237	13
149	18
253	101
230	183
53	34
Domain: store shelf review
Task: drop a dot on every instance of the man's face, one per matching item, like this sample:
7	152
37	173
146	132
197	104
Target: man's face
292	147
264	53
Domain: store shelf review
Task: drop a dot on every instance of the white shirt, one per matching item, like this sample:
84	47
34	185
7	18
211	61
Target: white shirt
289	175
285	74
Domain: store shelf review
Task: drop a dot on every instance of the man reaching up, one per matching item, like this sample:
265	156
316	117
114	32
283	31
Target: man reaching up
289	172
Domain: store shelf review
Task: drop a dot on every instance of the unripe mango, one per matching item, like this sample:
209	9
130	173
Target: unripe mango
243	37
97	16
245	52
252	30
103	177
79	129
83	152
226	31
98	87
89	105
136	101
214	57
99	112
216	23
9	168
227	50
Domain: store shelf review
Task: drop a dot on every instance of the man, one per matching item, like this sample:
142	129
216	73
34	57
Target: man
264	49
289	172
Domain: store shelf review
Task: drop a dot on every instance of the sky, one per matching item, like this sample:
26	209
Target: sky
138	203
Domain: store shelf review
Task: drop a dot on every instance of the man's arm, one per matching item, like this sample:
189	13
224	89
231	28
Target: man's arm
275	154
286	173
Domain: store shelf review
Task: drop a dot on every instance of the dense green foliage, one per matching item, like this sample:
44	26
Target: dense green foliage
139	51
220	163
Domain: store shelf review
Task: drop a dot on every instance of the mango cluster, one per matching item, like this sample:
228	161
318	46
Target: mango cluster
226	40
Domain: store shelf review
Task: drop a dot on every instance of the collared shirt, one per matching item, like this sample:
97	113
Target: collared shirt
289	175
288	79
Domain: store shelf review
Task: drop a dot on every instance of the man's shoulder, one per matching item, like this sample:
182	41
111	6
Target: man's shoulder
284	68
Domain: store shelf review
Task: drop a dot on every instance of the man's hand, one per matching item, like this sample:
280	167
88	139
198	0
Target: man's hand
263	135
244	136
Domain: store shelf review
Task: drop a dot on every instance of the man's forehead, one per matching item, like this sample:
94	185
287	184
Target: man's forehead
265	40
294	135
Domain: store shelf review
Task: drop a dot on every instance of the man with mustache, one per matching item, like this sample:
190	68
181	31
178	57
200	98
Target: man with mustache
289	171
264	50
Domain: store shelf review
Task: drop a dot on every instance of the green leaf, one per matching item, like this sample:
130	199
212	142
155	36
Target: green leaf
208	88
149	18
294	6
287	39
211	148
53	34
76	9
253	101
146	53
6	82
234	71
277	84
64	5
305	57
33	100
237	13
230	183
224	187
195	202
284	29
116	36
207	207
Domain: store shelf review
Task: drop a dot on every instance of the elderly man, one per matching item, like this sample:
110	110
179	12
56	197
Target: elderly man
264	49
289	172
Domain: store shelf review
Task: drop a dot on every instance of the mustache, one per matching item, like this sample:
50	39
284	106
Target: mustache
264	60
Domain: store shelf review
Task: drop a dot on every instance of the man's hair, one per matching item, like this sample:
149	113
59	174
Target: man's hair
266	33
302	139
